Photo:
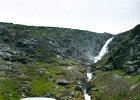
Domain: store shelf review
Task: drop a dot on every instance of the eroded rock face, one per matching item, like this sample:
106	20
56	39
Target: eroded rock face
124	55
77	44
124	51
40	61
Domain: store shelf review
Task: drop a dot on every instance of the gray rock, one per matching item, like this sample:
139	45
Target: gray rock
41	70
130	69
138	71
95	89
108	67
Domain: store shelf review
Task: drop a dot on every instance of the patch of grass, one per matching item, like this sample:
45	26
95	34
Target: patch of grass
43	82
42	87
8	90
134	79
138	97
114	85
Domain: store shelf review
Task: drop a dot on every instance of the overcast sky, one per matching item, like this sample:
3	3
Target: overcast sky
112	16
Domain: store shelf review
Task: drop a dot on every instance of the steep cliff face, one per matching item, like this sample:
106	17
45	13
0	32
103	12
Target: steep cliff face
118	72
77	44
48	61
128	55
124	52
42	61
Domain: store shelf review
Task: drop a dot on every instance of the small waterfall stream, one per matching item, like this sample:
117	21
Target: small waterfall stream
89	75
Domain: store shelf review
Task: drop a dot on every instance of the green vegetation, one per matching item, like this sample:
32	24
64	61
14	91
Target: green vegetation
9	90
40	79
114	85
30	63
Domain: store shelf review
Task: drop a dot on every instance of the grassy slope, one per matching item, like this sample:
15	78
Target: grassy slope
114	85
27	78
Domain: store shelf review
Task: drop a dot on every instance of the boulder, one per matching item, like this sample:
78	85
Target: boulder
130	69
138	71
108	67
62	82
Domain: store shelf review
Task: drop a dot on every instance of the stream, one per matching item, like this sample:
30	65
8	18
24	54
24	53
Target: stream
89	75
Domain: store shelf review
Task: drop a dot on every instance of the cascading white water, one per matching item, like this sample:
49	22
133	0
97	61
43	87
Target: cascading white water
103	51
89	76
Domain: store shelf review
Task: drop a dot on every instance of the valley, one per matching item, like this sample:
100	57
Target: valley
68	64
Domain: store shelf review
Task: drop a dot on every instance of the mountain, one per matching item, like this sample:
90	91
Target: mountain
45	61
118	72
53	62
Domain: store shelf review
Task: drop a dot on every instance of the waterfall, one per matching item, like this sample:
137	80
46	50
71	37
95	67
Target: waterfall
103	51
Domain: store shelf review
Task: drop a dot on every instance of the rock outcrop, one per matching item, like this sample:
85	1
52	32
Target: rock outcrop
51	62
124	52
117	73
44	61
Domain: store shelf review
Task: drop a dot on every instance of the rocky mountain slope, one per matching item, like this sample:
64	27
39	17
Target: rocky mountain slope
45	61
118	72
52	62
